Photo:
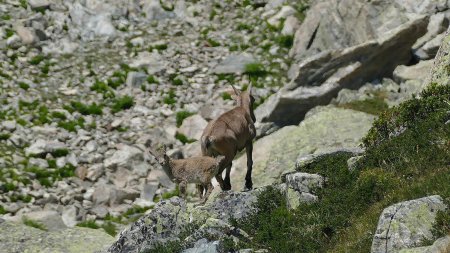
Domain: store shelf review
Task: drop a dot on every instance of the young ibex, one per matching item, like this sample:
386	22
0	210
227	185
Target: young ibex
197	170
229	133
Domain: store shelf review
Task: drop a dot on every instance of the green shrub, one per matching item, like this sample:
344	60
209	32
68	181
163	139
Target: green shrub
441	227
9	32
181	115
285	41
122	103
4	136
37	59
72	124
177	81
170	98
60	152
92	109
183	138
212	42
152	79
103	88
24	86
255	70
35	224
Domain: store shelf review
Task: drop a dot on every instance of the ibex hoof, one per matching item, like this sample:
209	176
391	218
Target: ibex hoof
246	189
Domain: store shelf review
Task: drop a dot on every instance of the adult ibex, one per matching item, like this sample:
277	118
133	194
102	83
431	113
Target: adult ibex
229	133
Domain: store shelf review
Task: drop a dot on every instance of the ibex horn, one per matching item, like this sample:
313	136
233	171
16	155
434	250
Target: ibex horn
235	90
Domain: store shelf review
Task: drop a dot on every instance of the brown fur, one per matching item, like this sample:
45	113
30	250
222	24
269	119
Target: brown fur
230	133
196	170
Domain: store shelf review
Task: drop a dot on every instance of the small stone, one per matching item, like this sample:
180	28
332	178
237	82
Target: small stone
69	216
38	4
81	172
136	79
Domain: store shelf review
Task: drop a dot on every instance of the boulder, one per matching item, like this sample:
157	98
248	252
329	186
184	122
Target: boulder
406	224
39	4
317	79
324	129
26	34
126	157
192	127
420	72
336	24
430	48
89	24
438	24
136	79
21	238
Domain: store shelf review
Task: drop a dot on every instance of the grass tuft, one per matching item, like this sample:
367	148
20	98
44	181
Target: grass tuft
181	115
122	103
35	224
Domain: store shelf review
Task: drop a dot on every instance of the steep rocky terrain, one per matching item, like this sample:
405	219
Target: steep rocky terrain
85	86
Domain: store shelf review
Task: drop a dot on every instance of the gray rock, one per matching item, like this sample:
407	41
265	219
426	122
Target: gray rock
441	245
438	24
38	162
26	34
41	146
285	12
316	80
38	4
9	125
234	64
126	157
352	162
50	219
69	216
95	171
429	49
21	238
89	24
440	71
100	211
63	46
149	191
304	182
406	224
295	198
420	71
203	246
291	24
136	79
192	127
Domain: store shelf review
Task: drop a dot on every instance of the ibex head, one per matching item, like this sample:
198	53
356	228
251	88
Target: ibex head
245	99
159	154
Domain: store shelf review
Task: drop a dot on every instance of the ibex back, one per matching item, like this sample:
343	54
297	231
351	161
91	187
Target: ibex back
232	132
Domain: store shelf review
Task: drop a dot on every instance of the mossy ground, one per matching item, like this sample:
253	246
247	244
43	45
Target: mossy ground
407	154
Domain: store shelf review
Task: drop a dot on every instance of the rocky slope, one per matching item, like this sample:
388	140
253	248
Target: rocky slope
85	86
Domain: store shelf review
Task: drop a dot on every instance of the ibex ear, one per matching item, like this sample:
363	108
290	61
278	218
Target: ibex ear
235	90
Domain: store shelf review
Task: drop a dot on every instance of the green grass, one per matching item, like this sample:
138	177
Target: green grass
122	103
103	88
58	115
212	42
35	224
226	96
2	210
47	177
397	166
181	115
373	106
88	224
177	81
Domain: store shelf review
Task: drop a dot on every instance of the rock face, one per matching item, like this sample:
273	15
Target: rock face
406	224
323	129
316	80
172	217
442	60
74	240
